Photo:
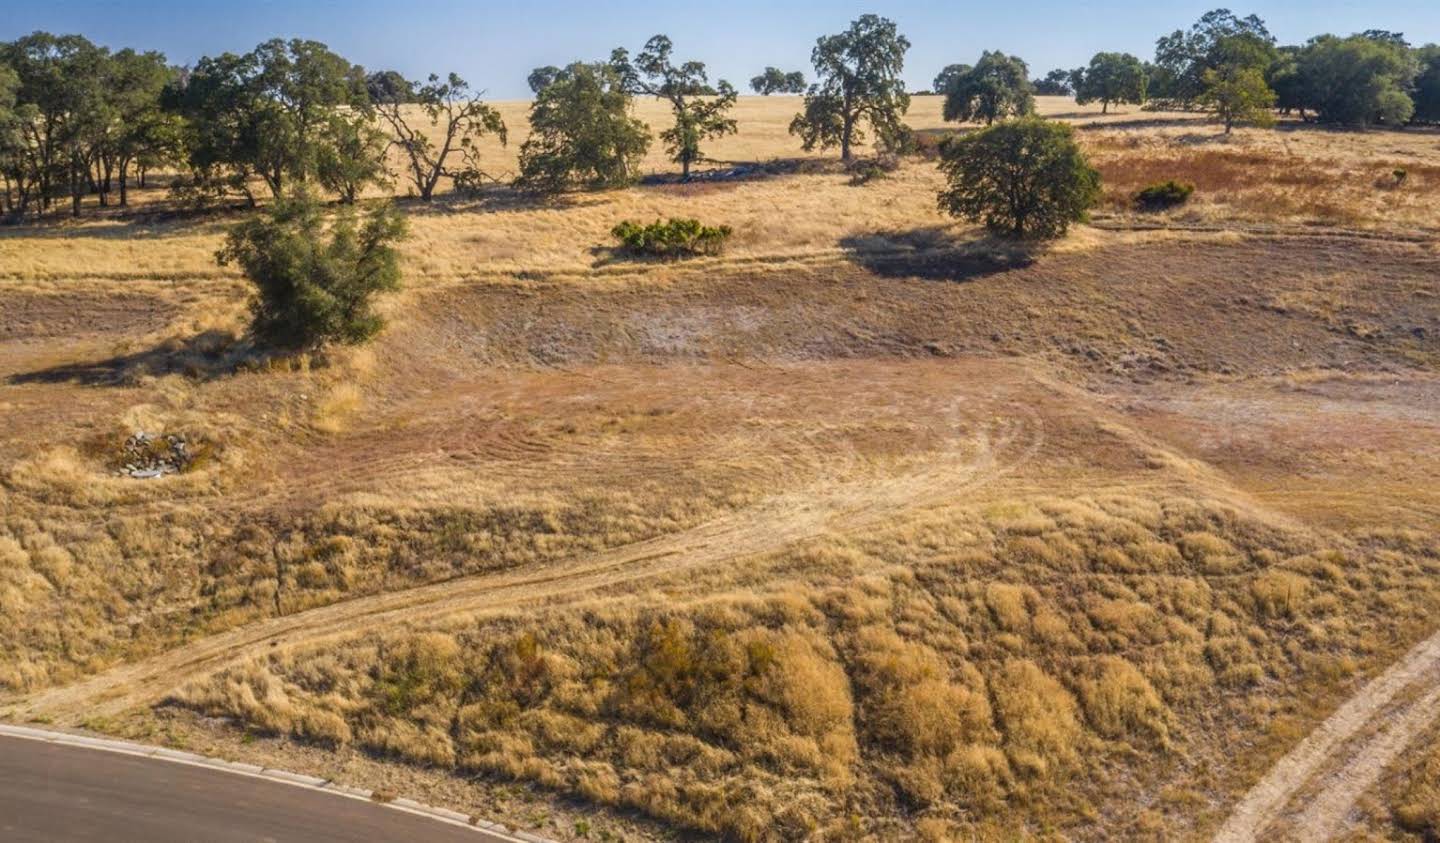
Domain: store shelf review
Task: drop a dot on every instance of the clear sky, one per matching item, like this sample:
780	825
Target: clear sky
495	44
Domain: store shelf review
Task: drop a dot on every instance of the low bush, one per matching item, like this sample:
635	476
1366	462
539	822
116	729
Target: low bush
671	239
1394	181
1162	195
868	170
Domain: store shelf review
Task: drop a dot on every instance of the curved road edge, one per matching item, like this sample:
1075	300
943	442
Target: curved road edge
485	829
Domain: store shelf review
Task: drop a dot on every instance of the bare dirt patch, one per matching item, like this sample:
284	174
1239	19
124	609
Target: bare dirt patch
26	315
1260	306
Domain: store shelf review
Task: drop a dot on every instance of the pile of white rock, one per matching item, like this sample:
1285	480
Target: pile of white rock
145	456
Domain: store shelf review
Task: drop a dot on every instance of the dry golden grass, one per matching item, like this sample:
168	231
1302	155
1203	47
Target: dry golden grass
1295	175
1406	805
928	672
977	597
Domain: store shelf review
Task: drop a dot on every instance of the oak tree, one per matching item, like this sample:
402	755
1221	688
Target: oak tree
701	111
1021	178
776	81
998	86
859	82
1112	78
447	119
581	132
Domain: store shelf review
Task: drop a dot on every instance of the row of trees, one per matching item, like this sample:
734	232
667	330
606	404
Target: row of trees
1229	65
77	119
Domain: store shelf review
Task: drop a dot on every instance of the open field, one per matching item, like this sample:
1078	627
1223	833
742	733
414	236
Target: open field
869	528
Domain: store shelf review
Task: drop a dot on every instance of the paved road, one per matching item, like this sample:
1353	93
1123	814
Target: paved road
55	793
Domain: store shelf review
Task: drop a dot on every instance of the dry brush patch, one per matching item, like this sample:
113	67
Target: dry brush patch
1030	666
1405	805
1301	174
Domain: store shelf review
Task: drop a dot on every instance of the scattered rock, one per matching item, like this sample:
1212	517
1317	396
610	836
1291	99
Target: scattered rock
146	456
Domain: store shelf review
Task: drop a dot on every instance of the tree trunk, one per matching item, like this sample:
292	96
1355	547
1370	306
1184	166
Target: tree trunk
1105	106
124	179
845	132
77	185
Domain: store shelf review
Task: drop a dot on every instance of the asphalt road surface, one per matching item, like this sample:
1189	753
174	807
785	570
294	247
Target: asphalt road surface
55	793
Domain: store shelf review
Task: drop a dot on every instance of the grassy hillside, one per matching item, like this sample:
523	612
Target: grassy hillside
870	527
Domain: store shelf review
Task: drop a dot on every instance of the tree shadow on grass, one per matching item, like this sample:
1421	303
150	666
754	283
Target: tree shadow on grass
1143	123
934	253
120	224
205	356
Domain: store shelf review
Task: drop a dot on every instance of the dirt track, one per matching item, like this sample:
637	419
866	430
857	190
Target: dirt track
837	410
1312	789
972	460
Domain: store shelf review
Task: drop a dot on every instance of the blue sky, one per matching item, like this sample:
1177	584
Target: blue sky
494	45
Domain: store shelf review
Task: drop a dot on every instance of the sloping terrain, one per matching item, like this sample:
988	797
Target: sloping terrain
902	539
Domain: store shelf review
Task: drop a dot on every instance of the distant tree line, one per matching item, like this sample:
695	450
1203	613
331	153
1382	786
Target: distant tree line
78	120
1227	65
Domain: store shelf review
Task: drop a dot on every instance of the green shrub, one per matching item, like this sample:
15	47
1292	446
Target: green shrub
1024	178
870	169
1165	194
672	239
582	133
313	288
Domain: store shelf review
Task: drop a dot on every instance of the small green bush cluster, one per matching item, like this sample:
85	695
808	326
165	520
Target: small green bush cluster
1165	194
671	239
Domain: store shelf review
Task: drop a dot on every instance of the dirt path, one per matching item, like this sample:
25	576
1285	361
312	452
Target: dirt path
1344	756
977	458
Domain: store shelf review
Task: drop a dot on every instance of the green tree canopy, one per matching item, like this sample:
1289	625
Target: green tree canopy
859	82
948	78
351	155
1283	77
541	77
266	113
1235	93
582	132
1112	78
60	94
14	174
1357	80
1218	37
314	289
1021	178
1427	84
776	81
1056	83
701	111
998	86
388	86
140	132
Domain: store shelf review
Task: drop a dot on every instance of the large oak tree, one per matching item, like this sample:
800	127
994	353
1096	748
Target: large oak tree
859	82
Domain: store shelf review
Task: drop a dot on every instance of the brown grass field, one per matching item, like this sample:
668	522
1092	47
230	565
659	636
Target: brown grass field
869	528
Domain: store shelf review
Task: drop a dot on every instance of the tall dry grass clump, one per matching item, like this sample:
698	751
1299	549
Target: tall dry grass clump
934	674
